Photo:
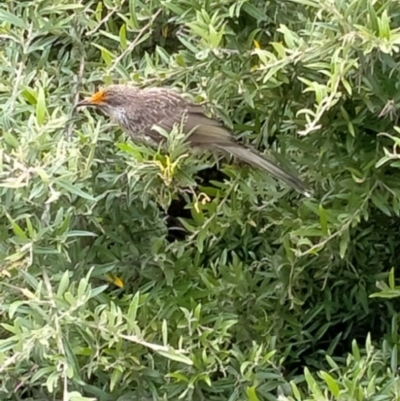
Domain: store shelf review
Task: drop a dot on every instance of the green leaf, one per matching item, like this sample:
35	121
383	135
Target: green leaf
132	14
10	139
18	231
74	190
98	11
76	396
64	284
323	220
384	25
296	392
251	394
254	12
14	308
122	37
12	19
165	332
106	55
133	308
115	379
394	359
344	243
373	17
312	384
41	109
355	350
176	356
332	384
380	203
80	233
392	284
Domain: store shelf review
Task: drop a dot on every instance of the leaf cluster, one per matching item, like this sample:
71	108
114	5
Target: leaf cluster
130	273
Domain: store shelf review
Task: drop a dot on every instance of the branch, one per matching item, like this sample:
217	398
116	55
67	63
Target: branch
130	48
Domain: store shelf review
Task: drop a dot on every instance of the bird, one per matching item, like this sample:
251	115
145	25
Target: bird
138	111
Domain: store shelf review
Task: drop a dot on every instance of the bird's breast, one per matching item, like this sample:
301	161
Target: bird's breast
118	115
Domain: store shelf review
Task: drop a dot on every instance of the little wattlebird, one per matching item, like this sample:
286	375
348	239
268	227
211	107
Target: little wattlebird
139	111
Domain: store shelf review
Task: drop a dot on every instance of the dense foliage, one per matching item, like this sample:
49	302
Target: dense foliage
129	273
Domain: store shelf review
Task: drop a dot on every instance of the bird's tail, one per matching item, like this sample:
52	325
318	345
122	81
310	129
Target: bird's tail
253	158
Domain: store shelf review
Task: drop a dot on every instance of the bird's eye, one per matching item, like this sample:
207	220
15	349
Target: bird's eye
114	100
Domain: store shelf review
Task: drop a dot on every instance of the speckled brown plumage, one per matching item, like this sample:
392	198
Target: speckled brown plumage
137	111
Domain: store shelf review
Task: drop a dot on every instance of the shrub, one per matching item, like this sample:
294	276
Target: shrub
129	273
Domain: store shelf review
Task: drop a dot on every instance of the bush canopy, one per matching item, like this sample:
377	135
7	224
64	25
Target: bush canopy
132	273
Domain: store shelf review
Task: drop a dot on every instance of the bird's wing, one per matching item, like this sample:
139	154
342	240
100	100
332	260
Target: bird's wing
206	131
165	108
158	107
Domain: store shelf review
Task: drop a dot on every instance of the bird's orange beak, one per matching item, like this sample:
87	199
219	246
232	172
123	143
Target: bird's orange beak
95	100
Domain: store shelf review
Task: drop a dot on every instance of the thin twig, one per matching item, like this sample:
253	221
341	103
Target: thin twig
104	20
79	77
130	48
342	229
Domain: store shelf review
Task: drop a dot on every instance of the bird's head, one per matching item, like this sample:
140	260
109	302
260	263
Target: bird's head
111	98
